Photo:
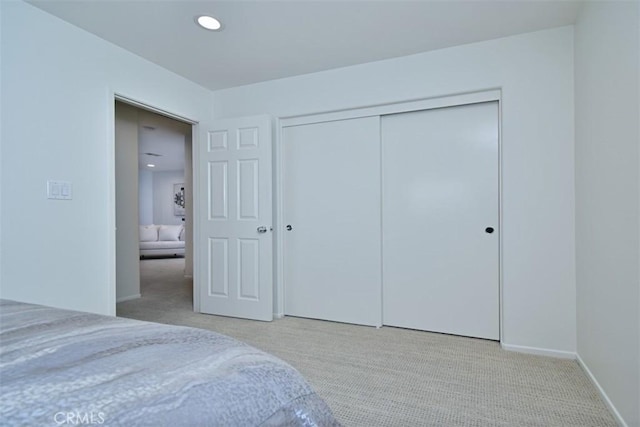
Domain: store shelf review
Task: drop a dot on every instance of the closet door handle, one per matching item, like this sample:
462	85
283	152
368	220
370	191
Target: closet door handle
489	230
288	227
262	229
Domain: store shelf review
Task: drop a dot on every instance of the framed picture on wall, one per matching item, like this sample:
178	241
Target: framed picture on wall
178	199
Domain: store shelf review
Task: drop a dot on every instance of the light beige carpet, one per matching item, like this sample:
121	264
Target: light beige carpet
390	376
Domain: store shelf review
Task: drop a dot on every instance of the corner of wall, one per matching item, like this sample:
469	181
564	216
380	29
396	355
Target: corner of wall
603	394
607	156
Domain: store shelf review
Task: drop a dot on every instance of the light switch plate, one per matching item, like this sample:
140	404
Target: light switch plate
59	190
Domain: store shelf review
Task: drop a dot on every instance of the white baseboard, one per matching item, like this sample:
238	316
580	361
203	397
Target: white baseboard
604	396
130	297
278	315
539	351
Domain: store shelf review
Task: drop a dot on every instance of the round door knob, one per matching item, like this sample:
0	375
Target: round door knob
289	227
489	230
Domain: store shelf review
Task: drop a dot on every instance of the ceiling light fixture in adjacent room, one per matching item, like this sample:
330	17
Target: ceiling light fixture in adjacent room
209	23
151	165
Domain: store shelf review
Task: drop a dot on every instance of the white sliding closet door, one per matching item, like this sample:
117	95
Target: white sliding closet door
440	220
331	194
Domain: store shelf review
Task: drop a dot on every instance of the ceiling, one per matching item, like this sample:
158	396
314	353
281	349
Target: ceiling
164	137
265	40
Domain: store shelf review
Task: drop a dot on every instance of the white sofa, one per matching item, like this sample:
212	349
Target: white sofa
161	240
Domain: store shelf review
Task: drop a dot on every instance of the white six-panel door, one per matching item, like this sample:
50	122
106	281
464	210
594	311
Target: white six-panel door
331	194
235	237
440	205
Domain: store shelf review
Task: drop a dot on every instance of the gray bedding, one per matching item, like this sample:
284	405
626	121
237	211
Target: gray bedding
61	367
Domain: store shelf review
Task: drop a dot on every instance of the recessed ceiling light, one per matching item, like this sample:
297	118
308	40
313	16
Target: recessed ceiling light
151	165
209	23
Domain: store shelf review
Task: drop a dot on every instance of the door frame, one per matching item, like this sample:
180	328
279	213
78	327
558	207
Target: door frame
488	95
111	215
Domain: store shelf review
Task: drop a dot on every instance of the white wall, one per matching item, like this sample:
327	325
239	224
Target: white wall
607	85
535	72
163	196
57	123
145	192
156	196
126	167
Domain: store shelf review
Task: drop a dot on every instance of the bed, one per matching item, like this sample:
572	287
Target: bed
61	367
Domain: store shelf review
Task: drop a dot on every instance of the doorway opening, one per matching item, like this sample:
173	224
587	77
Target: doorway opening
154	205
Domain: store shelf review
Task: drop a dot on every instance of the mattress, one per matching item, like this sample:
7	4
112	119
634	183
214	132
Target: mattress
62	367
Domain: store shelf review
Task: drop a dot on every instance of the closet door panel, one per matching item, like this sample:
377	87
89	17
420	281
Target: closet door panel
440	205
331	194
